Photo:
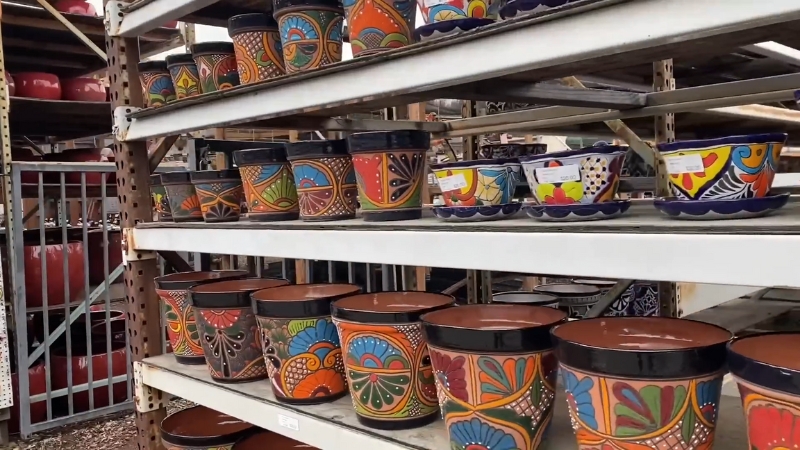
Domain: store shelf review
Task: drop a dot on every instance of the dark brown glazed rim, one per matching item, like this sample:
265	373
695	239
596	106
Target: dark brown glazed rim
231	293
212	48
152	66
204	441
184	280
244	23
378	141
155	180
761	373
258	156
552	289
281	302
674	363
519	338
179	59
316	149
352	309
533	298
211	176
595	282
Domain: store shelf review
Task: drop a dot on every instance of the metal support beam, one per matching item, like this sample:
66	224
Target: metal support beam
776	51
547	94
78	33
159	150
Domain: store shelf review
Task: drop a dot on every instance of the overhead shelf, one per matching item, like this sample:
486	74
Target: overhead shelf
144	15
60	119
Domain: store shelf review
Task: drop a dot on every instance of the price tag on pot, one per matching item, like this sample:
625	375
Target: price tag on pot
452	183
288	422
561	174
684	164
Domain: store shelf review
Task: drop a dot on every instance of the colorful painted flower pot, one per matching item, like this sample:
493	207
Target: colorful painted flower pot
184	338
160	202
157	87
269	188
220	194
183	71
640	300
228	331
311	32
182	196
526	298
325	179
216	66
376	26
445	10
575	299
478	183
495	373
387	364
733	167
301	345
642	382
390	170
257	43
272	441
201	428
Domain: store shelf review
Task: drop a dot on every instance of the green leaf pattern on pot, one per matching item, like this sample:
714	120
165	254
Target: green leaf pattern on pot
647	410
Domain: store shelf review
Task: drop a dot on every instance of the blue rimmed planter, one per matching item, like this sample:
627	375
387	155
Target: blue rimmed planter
516	8
743	208
476	213
577	213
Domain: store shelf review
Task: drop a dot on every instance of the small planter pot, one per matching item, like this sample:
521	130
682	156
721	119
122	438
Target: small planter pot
478	183
183	71
376	27
268	182
634	382
156	82
575	299
301	345
268	440
311	32
216	65
495	373
325	180
160	202
220	194
201	428
388	366
184	338
257	44
228	331
182	196
390	170
639	300
526	298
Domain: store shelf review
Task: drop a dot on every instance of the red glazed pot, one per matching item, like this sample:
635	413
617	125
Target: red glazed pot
45	86
96	264
118	328
80	371
11	85
54	257
81	7
37	382
173	24
83	90
82	155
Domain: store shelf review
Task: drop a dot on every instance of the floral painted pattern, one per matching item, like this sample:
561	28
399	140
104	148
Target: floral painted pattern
221	319
647	410
451	374
579	397
231	344
475	434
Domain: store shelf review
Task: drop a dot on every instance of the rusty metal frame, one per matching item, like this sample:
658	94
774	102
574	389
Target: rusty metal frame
78	33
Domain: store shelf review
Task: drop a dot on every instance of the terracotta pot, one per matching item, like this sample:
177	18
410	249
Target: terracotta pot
272	441
301	345
216	65
390	170
80	7
460	181
97	273
257	43
182	196
575	299
632	382
12	87
179	314
183	71
24	154
80	371
82	155
201	428
37	384
379	26
228	332
639	300
311	32
268	183
495	373
526	298
325	179
220	193
45	86
53	260
387	364
83	90
160	202
156	83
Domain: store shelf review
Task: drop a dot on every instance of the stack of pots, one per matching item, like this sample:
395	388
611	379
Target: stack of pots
184	205
219	193
311	33
575	299
269	186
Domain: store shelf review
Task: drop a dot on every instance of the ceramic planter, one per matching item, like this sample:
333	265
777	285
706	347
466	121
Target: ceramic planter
257	43
37	384
97	249
100	360
52	258
83	90
379	26
216	66
268	440
179	314
388	366
269	188
390	171
301	345
325	179
641	299
311	32
478	183
442	11
495	373
576	299
184	75
157	86
182	196
160	202
634	382
220	194
733	167
44	86
526	298
201	428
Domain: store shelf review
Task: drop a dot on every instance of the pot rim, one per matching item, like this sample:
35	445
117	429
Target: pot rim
301	308
179	59
175	177
211	441
260	156
282	7
244	23
545	298
211	176
476	163
173	281
386	141
387	317
780	379
152	66
212	48
334	148
609	150
696	144
589	292
229	298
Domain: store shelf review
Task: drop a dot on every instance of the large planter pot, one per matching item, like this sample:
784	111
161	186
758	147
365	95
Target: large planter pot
311	32
182	197
495	373
640	300
634	382
268	182
44	86
272	441
80	371
731	168
160	201
575	299
179	314
325	179
183	71
216	65
228	331
220	194
157	86
526	298
390	171
37	384
257	43
53	261
388	366
478	183
80	7
376	26
301	345
201	428
97	251
83	90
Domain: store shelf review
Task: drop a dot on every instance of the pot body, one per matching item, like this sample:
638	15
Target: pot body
53	260
157	87
231	343
390	183
97	251
184	337
80	7
441	11
376	26
185	79
259	55
83	90
270	191
217	71
183	202
220	201
39	85
326	188
37	384
479	183
311	36
80	372
12	86
161	203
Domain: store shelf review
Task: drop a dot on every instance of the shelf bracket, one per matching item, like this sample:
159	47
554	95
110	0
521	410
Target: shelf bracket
113	18
129	251
122	122
146	399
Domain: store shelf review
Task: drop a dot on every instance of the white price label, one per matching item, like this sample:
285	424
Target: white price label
288	422
684	164
452	183
430	3
560	174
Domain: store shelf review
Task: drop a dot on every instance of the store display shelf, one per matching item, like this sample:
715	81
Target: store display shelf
144	15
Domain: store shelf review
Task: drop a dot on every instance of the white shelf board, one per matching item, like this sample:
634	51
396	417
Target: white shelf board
151	14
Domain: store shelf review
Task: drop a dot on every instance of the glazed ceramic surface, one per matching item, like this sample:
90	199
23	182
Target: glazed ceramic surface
272	441
160	202
640	300
268	182
476	213
311	33
441	11
577	212
45	86
478	183
379	25
216	66
156	82
741	208
575	299
185	78
220	194
526	298
522	7
182	197
52	258
83	90
101	359
257	43
723	169
325	180
201	428
445	28
79	7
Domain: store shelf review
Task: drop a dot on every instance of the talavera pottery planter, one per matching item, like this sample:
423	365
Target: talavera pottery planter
227	326
376	26
269	188
311	32
576	299
639	300
448	27
216	66
325	179
220	194
301	345
183	71
476	213
390	170
182	196
495	373
450	16
387	364
257	43
201	428
157	86
179	314
516	8
634	382
737	208
160	202
499	151
478	183
272	441
526	298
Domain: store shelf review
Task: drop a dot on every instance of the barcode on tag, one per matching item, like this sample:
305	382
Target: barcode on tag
684	164
452	183
288	422
560	174
429	3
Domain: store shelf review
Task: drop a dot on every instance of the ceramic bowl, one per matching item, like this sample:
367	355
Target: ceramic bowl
160	202
269	188
257	44
44	86
216	65
575	299
311	32
479	182
640	300
476	213
632	382
156	81
183	71
182	197
526	298
83	90
220	194
80	7
201	428
516	8
376	27
268	440
726	168
445	10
